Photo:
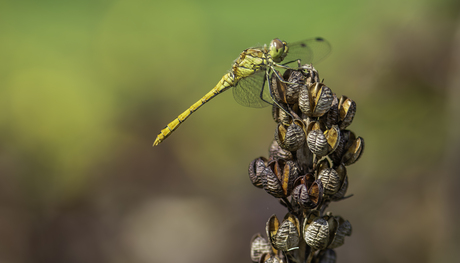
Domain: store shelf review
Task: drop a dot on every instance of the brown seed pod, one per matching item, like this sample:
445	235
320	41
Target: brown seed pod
307	192
290	173
349	137
278	177
278	88
271	183
345	226
310	217
326	256
332	115
280	116
331	181
259	246
292	138
311	74
323	164
333	226
284	236
313	125
268	258
296	79
255	170
276	152
316	234
343	229
315	193
343	190
304	158
354	152
347	110
300	196
315	100
336	155
317	143
333	138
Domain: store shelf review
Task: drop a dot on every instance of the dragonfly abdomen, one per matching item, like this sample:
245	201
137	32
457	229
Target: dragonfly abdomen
225	83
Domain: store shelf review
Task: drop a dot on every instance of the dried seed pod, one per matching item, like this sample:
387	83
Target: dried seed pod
336	155
311	74
316	234
315	100
305	101
267	258
326	256
276	152
290	173
304	158
315	193
353	152
272	227
255	170
278	88
278	177
349	137
317	143
297	80
332	116
259	246
306	179
331	181
344	226
300	196
342	171
323	164
343	229
292	138
347	110
313	125
286	172
310	217
284	237
333	224
333	138
271	183
280	116
343	190
307	192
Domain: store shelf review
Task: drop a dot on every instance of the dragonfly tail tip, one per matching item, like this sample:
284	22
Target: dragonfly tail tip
157	141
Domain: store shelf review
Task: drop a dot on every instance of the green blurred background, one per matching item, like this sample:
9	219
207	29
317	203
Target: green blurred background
85	86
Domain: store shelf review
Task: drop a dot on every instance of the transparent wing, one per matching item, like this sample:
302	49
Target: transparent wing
308	51
247	91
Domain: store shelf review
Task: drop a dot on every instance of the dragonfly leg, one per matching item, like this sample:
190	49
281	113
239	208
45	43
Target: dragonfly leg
308	67
267	78
281	78
261	95
282	66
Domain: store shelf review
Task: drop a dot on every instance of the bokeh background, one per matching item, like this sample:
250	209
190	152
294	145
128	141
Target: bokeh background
85	86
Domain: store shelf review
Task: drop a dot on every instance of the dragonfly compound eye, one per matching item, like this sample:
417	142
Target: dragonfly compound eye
277	50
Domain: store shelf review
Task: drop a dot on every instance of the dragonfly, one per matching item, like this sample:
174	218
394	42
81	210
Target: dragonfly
249	75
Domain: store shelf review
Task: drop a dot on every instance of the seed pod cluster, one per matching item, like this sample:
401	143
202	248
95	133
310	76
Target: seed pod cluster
306	169
326	232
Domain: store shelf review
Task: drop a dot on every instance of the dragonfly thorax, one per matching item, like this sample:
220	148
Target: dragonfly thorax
278	50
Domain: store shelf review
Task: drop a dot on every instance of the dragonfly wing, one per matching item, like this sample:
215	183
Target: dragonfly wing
308	51
247	91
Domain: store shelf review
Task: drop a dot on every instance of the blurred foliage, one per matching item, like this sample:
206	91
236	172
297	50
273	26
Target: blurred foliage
85	86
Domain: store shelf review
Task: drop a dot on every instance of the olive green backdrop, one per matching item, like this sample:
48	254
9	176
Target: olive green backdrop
85	86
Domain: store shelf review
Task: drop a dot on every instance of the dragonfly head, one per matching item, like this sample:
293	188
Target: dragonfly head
278	50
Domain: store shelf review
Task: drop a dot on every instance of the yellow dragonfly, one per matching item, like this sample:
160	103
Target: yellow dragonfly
250	74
